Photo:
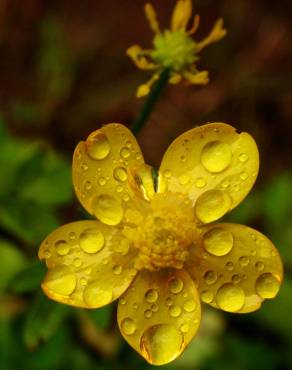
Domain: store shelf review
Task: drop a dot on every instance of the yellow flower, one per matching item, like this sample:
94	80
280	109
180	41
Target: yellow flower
154	244
174	49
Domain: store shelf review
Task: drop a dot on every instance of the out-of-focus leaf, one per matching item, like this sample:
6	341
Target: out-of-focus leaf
28	279
247	211
43	320
12	261
101	317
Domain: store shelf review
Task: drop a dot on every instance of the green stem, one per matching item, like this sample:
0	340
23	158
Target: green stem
150	101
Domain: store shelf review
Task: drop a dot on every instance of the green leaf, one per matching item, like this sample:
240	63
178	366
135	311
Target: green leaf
28	279
12	261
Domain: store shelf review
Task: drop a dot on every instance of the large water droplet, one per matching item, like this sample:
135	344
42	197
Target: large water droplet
216	156
151	295
91	240
98	146
95	296
212	205
230	297
60	280
174	311
128	326
267	285
176	285
107	209
120	174
218	241
62	247
161	344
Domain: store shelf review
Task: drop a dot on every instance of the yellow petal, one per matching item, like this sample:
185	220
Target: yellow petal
181	15
197	78
89	264
159	314
139	57
101	168
216	34
152	17
235	267
145	88
214	165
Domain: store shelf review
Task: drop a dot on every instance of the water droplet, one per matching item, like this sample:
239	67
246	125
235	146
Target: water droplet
125	152
183	158
218	241
77	262
135	306
267	285
244	176
200	182
216	156
126	197
243	157
212	205
161	344
230	297
128	326
190	305
102	181
176	285
107	209
151	295
169	301
72	235
84	167
154	307
210	277
122	301
120	174
243	261
184	328
98	146
174	311
122	247
167	174
117	269
259	266
91	240
147	314
229	266
95	296
184	179
236	278
207	296
60	280
87	185
138	156
62	247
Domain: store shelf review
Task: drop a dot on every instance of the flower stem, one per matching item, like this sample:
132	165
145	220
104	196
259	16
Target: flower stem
150	102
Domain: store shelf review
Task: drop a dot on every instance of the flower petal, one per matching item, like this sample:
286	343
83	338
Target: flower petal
159	314
216	166
101	167
235	267
89	264
181	15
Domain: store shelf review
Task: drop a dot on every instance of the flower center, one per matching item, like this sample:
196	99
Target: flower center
164	236
174	49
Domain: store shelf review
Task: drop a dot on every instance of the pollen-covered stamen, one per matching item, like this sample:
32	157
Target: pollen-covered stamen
165	235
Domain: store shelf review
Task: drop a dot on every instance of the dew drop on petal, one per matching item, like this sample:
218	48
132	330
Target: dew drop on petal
62	247
151	295
243	261
210	277
267	285
161	344
128	326
125	152
91	240
98	146
218	241
174	311
207	296
216	156
212	205
95	296
230	297
190	305
243	157
184	328
176	285
117	269
259	266
60	280
120	174
107	209
147	314
200	182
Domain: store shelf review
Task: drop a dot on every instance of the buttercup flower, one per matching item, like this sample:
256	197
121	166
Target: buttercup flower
174	49
155	246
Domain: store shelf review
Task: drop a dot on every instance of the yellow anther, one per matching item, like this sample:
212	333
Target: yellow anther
152	17
181	15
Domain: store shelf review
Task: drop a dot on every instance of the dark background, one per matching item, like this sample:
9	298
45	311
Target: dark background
64	73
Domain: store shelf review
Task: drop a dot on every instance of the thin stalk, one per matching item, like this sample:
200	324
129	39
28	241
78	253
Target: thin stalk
150	102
